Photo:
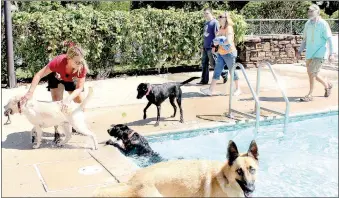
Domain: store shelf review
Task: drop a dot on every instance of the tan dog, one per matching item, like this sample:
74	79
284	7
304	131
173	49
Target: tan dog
193	178
48	114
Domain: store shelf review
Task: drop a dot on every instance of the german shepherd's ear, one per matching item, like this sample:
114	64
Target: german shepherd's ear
232	152
253	150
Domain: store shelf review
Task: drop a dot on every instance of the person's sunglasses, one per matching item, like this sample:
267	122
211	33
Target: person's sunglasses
222	17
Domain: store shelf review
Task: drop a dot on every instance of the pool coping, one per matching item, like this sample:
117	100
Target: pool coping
213	125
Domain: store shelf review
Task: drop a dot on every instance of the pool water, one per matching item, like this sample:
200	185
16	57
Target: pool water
302	163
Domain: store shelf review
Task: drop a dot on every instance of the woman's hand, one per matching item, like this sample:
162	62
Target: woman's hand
26	97
64	105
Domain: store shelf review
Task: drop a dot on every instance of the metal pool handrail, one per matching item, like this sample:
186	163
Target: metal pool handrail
256	99
286	114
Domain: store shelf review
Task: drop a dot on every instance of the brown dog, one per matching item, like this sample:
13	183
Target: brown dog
193	178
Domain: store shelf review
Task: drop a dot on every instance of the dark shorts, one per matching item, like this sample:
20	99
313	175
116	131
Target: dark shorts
53	83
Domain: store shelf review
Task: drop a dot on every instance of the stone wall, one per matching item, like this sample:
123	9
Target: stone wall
277	49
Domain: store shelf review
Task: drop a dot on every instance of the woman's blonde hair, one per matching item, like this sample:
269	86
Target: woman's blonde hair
73	51
229	21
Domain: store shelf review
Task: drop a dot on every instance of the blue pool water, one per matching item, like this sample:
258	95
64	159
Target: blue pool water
302	163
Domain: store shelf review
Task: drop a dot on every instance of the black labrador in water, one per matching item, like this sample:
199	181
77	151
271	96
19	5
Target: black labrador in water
132	142
157	94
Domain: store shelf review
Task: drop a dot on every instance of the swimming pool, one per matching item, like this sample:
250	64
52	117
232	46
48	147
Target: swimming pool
302	163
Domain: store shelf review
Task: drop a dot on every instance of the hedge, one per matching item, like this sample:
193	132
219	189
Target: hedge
143	38
282	10
335	15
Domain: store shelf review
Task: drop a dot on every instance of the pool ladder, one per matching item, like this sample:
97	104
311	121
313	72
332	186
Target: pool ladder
256	96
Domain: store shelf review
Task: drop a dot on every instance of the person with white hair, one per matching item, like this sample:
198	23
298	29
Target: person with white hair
317	34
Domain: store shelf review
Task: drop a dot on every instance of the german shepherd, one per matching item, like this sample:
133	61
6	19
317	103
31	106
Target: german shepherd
193	178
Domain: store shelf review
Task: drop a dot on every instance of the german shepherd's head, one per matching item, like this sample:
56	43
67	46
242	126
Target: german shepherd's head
242	167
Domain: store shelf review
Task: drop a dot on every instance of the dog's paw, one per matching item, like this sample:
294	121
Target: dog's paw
181	121
60	143
145	116
36	146
109	142
57	140
172	116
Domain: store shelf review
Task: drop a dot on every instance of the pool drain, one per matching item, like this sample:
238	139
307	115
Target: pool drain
90	170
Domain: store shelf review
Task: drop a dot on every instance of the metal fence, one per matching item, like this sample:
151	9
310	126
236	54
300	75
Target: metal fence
283	26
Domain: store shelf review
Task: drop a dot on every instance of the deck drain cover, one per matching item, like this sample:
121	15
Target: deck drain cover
90	170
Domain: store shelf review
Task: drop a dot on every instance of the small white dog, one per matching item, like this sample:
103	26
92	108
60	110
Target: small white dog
47	114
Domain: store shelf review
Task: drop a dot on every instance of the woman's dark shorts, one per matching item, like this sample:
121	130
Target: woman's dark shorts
53	83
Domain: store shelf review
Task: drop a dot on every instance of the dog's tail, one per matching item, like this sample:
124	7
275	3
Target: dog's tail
189	80
115	190
90	93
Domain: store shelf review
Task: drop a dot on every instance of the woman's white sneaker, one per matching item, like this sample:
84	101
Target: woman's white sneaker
206	91
237	92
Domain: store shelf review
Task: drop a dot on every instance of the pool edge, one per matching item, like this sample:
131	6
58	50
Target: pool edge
214	125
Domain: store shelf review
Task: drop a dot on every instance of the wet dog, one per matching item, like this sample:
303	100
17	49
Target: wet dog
132	142
157	94
193	178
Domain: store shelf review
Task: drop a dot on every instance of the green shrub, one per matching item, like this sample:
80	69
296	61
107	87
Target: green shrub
110	6
335	15
277	10
143	38
190	6
39	6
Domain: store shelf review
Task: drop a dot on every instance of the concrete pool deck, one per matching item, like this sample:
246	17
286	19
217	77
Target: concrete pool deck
51	171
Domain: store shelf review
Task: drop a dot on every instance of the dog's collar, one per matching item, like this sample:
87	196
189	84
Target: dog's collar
149	90
19	107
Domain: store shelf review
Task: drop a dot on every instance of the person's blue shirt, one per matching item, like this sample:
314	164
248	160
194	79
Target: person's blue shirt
210	29
316	34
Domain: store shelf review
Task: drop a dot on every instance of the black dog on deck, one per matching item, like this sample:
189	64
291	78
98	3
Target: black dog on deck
132	143
157	94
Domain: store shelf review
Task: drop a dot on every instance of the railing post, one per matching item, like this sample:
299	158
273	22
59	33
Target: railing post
254	97
260	27
291	26
258	85
284	96
9	41
231	91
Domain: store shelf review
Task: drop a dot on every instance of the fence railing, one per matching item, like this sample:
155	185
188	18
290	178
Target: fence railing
283	26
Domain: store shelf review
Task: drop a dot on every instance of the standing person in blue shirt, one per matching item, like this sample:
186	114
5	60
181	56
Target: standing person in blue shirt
210	29
317	34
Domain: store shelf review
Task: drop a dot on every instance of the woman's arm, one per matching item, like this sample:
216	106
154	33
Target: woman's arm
230	34
37	77
218	33
78	90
